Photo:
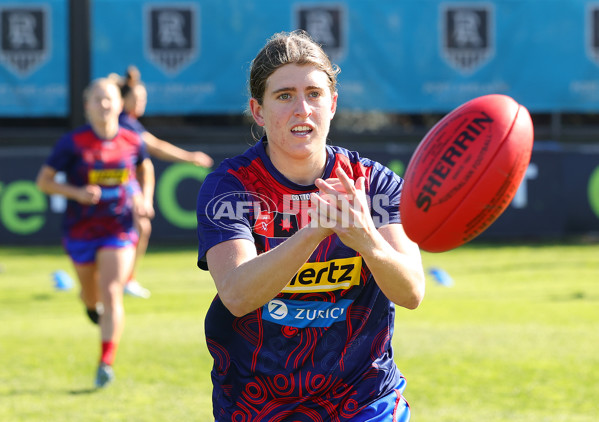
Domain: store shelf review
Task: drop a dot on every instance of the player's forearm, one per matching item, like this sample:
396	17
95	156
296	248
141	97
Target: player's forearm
169	152
146	177
46	183
258	280
55	188
164	150
399	275
148	188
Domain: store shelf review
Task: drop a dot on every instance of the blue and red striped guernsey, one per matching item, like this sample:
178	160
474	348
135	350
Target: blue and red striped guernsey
129	122
87	159
321	349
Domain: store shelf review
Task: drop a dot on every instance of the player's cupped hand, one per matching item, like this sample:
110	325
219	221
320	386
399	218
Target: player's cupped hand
89	194
342	206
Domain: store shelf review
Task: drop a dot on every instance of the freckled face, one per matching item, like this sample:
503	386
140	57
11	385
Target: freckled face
296	111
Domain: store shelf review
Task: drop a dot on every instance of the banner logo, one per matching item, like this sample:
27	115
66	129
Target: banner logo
24	38
171	35
592	30
593	191
326	25
467	35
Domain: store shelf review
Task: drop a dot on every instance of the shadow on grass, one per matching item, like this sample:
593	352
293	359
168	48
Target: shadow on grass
578	295
41	297
83	391
79	392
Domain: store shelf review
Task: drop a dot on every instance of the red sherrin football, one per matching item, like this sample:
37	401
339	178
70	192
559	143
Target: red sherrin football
465	172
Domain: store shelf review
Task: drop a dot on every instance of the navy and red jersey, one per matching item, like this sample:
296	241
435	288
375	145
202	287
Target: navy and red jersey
131	123
86	159
321	349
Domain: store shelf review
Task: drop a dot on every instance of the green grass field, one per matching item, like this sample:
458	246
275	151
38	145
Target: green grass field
515	339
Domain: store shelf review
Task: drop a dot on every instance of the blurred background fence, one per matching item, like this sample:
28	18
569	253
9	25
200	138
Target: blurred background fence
404	65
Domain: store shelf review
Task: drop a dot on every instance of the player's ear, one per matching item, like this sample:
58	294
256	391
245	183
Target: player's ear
334	103
256	110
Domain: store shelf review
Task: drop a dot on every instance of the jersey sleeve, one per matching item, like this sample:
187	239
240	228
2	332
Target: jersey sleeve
223	213
62	154
130	123
143	151
385	194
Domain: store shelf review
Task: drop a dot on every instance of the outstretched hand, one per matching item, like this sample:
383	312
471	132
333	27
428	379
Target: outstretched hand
201	159
342	206
142	206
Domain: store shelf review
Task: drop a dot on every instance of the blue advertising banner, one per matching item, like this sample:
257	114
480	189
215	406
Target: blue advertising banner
542	53
33	58
192	55
414	56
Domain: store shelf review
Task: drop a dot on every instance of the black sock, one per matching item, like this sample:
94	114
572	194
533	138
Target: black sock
93	315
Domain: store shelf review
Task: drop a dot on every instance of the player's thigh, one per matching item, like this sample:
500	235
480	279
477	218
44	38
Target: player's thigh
83	256
115	265
87	276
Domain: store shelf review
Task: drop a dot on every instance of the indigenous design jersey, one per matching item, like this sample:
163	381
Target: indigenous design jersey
87	159
321	350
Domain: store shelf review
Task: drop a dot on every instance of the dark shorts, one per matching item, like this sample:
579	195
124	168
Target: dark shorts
84	251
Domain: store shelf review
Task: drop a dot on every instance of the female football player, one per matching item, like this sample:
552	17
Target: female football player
305	245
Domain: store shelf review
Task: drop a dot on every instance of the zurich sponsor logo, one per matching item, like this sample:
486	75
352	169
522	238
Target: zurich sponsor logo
277	309
302	314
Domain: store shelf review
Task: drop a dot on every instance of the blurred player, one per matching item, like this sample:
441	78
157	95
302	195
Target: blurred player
307	274
108	175
134	96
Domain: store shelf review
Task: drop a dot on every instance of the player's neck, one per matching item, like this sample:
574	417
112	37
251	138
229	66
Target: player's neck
106	130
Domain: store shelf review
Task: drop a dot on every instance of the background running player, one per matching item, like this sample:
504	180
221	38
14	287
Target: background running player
104	166
135	97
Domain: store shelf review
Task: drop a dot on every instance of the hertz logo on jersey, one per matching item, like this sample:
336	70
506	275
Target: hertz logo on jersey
108	177
326	276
